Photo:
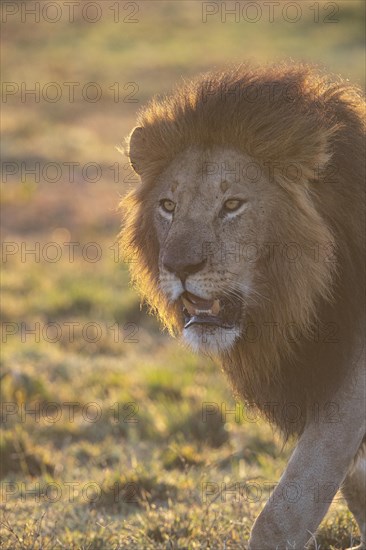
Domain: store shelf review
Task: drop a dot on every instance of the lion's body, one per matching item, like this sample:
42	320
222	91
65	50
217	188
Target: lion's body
288	145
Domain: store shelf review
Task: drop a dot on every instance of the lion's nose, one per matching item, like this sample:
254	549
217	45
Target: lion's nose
182	270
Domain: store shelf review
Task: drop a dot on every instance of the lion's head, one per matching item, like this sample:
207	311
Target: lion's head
233	235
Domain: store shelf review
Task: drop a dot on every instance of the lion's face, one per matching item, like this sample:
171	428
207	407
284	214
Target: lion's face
211	219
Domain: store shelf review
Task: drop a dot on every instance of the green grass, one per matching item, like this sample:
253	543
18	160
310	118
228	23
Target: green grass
149	471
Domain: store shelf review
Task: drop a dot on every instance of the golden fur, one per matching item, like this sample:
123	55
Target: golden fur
280	116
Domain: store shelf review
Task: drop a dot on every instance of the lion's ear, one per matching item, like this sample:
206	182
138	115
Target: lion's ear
136	146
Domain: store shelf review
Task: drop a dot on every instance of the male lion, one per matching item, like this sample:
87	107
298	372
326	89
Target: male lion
247	238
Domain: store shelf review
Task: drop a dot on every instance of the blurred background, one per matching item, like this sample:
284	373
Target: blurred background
114	435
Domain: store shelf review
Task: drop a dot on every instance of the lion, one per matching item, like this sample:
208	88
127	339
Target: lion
247	239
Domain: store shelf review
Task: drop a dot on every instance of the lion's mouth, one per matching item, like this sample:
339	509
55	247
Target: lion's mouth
220	312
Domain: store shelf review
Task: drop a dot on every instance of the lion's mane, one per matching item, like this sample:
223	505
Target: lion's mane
280	116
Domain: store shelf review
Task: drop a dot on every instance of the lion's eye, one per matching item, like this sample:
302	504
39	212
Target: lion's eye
232	204
167	205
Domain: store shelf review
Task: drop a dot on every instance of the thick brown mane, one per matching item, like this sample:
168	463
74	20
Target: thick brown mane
282	117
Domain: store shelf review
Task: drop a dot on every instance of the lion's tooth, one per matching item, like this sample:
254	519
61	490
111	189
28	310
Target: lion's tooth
190	308
215	310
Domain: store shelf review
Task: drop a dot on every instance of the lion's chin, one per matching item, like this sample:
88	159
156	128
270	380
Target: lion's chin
213	340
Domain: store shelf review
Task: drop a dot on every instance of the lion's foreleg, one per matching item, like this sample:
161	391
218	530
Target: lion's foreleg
314	473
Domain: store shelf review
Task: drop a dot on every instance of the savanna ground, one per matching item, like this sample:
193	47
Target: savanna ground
131	442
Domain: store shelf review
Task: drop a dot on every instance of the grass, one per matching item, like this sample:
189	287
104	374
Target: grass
105	440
